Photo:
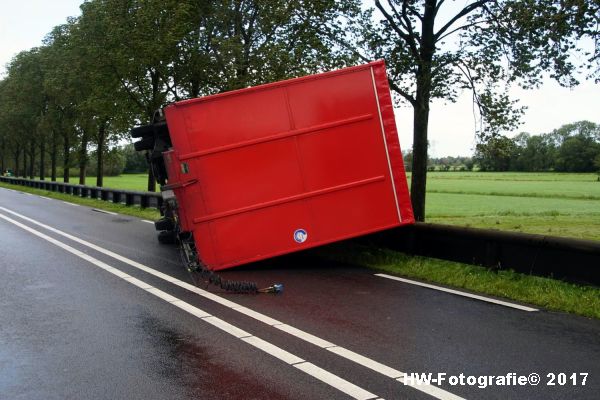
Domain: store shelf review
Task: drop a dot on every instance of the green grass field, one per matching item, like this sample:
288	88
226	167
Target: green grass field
544	203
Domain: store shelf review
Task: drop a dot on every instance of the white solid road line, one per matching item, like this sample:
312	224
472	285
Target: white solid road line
459	293
71	204
332	380
342	352
146	221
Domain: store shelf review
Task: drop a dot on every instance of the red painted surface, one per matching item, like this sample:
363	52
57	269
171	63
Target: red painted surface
257	167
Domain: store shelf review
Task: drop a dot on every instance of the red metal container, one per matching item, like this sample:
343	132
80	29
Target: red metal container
287	166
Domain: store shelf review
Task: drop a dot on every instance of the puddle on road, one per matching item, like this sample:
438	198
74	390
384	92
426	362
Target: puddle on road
200	369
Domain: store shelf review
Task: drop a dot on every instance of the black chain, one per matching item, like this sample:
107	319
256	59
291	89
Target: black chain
195	267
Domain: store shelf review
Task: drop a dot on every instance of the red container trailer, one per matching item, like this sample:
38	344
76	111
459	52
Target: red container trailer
273	169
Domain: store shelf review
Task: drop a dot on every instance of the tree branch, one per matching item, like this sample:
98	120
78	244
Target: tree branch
410	40
463	27
465	11
401	92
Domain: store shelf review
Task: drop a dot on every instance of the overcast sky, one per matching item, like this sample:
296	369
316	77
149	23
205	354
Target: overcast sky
23	24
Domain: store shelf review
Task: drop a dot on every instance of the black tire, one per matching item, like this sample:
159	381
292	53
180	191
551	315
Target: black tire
161	129
142	131
146	143
167	237
164	224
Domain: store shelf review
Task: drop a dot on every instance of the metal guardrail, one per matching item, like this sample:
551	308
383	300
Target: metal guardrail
563	258
574	260
117	196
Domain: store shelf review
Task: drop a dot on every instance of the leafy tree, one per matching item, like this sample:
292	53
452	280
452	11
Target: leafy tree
24	103
135	162
114	161
434	49
63	86
538	154
597	165
495	154
577	154
161	51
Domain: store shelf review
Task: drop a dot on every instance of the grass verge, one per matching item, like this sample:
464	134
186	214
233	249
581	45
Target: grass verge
548	293
135	211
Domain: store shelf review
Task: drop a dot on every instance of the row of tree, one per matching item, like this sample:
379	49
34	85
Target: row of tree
101	73
113	66
571	148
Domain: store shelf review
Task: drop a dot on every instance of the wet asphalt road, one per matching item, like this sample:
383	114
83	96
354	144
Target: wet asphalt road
71	330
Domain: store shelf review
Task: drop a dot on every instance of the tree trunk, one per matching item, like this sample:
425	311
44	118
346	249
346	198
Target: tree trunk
100	155
83	158
66	158
25	160
17	159
151	180
32	160
43	158
2	158
418	184
53	151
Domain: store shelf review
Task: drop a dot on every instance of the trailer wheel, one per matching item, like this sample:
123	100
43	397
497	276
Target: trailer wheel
147	143
167	237
165	224
142	131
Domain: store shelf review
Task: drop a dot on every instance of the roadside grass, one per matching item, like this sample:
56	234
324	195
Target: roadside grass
135	211
137	182
548	293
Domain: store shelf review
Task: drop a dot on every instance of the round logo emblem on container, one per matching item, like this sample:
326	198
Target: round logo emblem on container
300	235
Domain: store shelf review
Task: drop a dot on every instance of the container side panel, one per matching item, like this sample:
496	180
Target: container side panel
209	246
393	143
260	233
330	98
342	155
249	175
235	119
174	178
347	212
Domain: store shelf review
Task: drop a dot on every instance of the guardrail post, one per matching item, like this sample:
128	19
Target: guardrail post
116	197
129	199
103	194
144	201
